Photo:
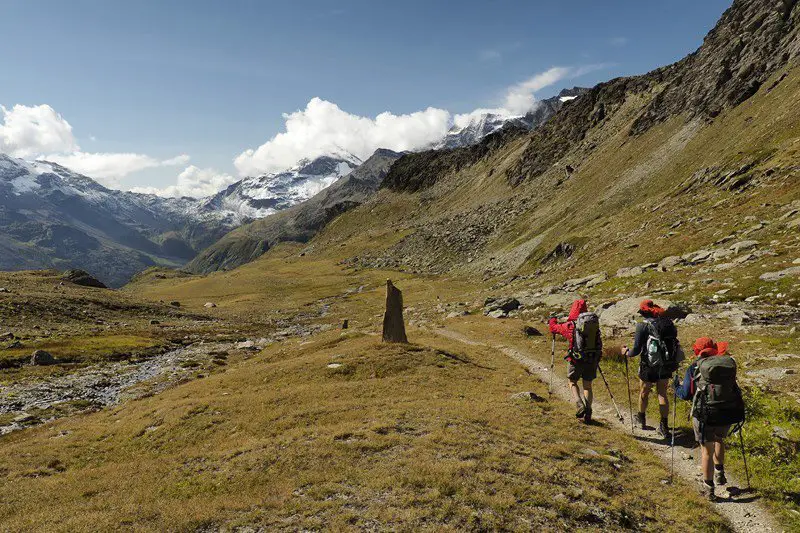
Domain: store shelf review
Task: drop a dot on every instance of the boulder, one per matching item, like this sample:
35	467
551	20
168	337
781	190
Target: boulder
623	315
775	276
531	331
83	278
209	305
497	313
630	272
502	304
742	246
671	261
41	358
736	316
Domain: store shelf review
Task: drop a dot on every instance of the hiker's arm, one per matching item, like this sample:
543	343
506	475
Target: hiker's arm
639	340
560	329
684	390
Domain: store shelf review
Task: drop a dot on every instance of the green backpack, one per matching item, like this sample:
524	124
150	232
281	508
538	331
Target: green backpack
718	399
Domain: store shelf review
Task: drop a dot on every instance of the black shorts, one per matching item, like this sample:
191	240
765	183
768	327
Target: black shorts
650	374
582	370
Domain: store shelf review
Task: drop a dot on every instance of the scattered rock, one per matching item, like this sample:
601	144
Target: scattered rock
209	305
589	281
345	324
175	304
629	272
743	245
26	418
4	290
154	322
736	316
457	314
83	278
531	331
497	313
246	345
527	396
695	319
7	336
671	261
41	358
334	365
15	344
775	276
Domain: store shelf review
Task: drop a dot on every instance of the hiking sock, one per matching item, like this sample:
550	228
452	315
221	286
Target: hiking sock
663	428
708	489
719	475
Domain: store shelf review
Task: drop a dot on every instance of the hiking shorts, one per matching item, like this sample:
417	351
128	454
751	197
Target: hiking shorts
710	433
650	374
580	370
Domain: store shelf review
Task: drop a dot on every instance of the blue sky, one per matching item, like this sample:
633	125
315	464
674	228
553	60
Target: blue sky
210	79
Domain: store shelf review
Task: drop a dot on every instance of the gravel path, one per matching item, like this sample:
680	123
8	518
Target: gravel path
744	514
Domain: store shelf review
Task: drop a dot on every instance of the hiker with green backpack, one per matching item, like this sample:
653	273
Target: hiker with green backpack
717	406
582	331
656	342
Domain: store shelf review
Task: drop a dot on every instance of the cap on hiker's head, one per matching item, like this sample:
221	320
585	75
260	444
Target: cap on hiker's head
707	346
648	307
578	307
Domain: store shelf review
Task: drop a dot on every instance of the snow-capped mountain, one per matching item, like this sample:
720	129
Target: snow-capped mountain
483	124
260	196
51	217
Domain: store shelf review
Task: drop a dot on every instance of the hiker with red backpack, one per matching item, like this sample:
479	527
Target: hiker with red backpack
717	406
582	331
656	343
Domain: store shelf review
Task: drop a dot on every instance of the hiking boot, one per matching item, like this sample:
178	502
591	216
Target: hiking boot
719	477
708	492
581	412
663	429
587	417
641	420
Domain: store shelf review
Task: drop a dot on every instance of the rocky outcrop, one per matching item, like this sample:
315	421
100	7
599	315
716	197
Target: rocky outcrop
83	278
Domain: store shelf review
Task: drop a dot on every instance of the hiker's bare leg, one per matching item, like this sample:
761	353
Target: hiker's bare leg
587	393
576	392
719	453
707	460
644	394
663	398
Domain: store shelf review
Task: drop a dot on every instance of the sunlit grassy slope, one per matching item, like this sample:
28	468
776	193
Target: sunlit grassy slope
424	436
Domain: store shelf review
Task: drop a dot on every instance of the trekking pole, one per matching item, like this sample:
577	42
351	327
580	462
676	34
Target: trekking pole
674	425
552	365
619	415
628	384
744	458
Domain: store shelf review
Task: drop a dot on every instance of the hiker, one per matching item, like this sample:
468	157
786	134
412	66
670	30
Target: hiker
656	342
582	331
717	405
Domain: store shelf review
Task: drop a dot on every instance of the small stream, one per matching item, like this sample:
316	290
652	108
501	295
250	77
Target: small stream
101	385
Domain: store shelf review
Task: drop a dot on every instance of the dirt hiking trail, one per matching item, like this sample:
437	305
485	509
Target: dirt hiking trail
743	512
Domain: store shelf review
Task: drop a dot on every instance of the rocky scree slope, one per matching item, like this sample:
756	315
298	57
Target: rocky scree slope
633	171
298	223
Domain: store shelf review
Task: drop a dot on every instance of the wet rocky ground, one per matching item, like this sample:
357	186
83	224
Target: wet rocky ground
32	402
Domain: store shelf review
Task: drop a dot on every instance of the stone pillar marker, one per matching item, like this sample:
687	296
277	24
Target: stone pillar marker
394	330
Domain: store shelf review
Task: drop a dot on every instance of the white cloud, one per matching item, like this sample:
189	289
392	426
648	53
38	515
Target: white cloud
323	128
29	130
193	181
109	168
